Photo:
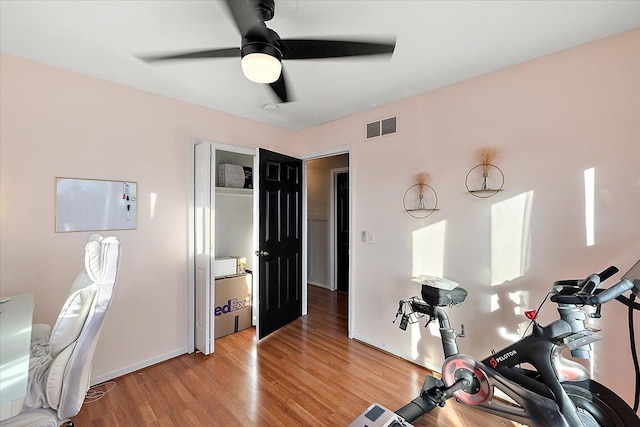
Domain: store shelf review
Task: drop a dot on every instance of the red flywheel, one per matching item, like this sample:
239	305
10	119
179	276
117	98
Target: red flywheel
455	367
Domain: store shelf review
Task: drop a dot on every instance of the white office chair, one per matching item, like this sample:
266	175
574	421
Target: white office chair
60	362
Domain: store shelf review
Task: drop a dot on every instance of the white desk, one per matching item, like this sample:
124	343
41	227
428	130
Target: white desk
15	341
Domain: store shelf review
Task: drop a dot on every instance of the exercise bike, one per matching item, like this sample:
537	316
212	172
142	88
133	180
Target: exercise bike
548	391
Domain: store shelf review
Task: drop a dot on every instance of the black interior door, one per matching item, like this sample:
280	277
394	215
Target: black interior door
279	240
342	232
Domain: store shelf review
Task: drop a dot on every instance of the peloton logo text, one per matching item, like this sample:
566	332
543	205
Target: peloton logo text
232	305
494	361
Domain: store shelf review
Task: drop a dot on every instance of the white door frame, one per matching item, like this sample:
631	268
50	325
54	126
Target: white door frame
191	332
191	225
330	152
203	204
192	229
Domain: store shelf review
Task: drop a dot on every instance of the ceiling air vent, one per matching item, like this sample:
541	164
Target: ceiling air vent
381	128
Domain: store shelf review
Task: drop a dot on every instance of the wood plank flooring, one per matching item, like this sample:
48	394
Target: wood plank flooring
306	374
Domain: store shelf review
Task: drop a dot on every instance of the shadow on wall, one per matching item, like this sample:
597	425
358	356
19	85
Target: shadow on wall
497	305
501	312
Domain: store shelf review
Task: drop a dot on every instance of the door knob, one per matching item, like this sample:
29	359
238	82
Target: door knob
262	253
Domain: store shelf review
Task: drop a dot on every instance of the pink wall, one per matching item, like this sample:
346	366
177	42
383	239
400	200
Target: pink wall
56	123
551	119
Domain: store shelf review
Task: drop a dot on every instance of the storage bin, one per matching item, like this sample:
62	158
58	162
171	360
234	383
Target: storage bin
225	266
235	176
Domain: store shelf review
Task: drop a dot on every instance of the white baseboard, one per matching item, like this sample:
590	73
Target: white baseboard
320	285
137	366
424	363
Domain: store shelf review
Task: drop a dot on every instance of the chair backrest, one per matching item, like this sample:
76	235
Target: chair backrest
76	331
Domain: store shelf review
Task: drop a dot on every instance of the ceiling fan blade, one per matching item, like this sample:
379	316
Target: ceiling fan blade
246	17
313	49
232	52
279	87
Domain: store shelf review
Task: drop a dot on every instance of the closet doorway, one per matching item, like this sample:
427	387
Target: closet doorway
246	251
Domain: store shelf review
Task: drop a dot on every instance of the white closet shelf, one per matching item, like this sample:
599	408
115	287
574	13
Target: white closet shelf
227	191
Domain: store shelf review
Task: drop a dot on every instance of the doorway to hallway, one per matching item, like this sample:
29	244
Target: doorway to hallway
328	227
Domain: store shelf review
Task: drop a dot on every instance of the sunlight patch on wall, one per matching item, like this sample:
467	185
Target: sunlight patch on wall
428	250
417	331
434	328
589	205
519	300
415	340
152	209
495	302
510	238
516	335
507	335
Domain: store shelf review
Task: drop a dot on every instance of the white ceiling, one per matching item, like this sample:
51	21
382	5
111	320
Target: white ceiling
438	43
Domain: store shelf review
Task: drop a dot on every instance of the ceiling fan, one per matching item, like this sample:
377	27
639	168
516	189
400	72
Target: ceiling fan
262	50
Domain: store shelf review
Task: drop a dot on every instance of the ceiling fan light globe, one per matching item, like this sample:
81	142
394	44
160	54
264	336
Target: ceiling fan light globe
261	67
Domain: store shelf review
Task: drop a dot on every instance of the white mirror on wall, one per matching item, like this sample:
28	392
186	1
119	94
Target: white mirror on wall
95	204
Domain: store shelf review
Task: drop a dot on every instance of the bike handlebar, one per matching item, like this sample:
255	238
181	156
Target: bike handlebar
608	272
613	292
588	293
607	295
589	285
572	294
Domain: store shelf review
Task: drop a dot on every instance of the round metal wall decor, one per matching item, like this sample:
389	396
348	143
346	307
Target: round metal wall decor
484	180
420	201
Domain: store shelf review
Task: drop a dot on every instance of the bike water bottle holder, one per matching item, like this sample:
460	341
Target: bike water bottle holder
582	338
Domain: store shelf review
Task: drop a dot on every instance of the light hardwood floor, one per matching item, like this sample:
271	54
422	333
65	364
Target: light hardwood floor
306	374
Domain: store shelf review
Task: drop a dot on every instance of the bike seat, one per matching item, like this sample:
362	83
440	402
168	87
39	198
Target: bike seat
438	297
440	292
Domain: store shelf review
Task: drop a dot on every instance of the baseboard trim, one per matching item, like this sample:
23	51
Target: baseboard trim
320	285
401	354
137	366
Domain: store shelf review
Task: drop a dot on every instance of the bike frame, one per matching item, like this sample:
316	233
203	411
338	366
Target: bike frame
551	391
535	396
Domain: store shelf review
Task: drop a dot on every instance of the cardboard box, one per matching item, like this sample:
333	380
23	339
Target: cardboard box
232	304
225	266
235	176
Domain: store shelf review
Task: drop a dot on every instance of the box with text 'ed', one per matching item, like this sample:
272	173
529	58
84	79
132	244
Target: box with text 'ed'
232	304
